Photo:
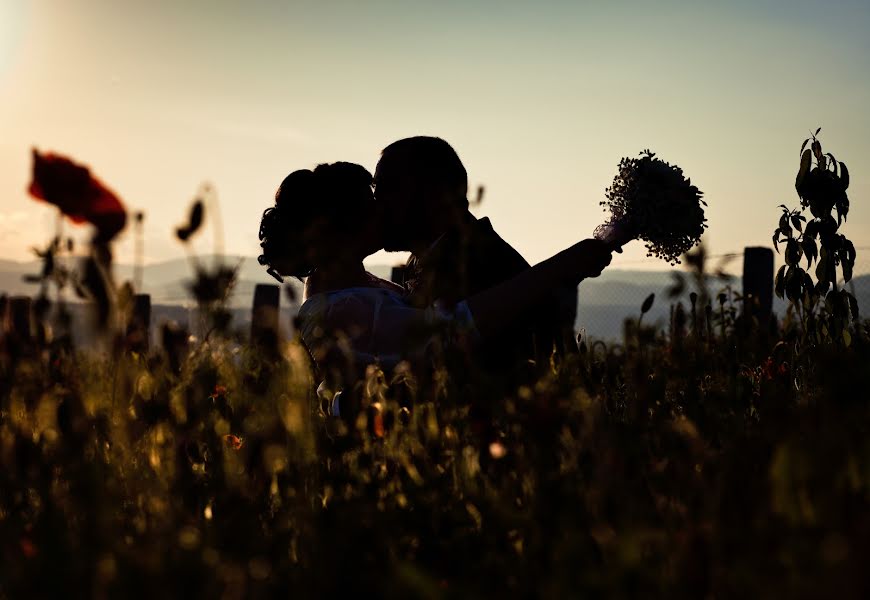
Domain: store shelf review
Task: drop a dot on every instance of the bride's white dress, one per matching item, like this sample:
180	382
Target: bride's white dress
378	324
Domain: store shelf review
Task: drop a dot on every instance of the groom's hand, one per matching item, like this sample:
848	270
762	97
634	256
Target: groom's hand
596	256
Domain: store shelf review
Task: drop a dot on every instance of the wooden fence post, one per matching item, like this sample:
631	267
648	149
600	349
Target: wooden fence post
19	318
139	326
264	316
758	282
4	304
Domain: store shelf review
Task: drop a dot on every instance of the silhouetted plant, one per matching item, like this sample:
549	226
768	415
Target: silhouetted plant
825	310
77	194
211	286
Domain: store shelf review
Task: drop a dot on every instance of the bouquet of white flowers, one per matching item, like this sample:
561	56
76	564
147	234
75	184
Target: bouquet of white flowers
652	201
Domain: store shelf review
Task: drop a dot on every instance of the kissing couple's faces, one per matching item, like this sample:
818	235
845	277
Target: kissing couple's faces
393	193
410	207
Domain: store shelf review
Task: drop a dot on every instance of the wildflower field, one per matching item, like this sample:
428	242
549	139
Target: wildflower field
727	456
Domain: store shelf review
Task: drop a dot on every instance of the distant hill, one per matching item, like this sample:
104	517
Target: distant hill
165	281
603	302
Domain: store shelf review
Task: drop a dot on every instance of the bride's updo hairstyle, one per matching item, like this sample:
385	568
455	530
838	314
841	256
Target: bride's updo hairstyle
313	214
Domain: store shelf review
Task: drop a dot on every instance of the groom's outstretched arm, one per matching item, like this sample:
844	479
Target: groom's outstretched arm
498	306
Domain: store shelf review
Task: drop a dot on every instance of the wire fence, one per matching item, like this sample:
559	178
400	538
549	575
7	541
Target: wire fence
604	303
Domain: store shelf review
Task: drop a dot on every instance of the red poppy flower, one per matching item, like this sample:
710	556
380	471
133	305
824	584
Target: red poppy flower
233	442
78	194
28	548
768	368
378	425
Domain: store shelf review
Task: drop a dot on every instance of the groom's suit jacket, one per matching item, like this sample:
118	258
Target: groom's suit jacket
473	258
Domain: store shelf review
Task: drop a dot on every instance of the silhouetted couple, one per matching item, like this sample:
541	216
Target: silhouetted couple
467	293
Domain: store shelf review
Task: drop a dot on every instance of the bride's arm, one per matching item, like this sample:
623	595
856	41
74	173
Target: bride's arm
500	305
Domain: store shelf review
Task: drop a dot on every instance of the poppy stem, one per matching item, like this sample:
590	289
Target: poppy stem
138	252
217	222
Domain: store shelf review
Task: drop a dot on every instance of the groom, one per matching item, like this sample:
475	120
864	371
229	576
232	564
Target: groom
422	188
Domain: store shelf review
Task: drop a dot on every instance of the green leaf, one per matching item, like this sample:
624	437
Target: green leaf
776	241
804	145
780	281
810	250
794	282
844	175
822	267
793	253
853	304
847	270
809	287
817	150
849	247
847	338
784	227
817	131
806	162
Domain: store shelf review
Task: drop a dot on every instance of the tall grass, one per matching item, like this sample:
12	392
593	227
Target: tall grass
723	457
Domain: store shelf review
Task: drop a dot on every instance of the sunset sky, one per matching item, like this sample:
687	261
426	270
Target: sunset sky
540	100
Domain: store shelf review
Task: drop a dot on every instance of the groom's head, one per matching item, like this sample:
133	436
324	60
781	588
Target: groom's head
421	186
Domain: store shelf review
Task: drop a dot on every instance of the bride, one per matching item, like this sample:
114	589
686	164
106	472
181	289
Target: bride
326	221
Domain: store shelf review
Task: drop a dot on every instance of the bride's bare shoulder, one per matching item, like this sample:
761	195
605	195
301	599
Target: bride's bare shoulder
314	286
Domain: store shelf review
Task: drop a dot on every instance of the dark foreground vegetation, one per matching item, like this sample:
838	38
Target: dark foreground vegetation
726	457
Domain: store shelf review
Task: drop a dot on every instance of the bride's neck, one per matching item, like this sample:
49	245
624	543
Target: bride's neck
335	277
